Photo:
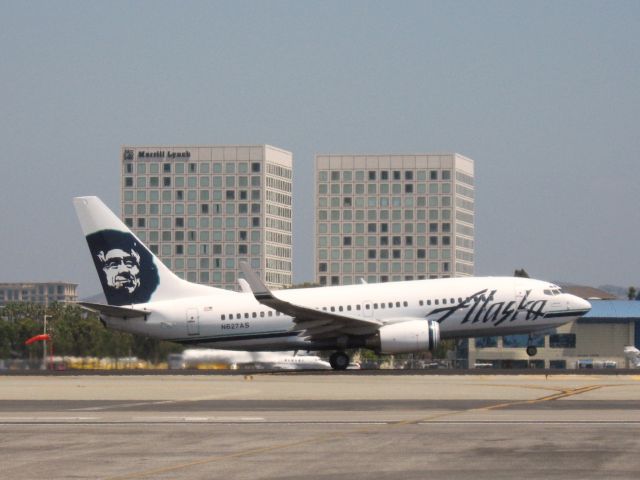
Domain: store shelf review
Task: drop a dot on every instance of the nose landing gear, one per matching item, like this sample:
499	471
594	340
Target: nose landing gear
531	349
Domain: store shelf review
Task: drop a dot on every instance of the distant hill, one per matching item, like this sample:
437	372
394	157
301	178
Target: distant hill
620	292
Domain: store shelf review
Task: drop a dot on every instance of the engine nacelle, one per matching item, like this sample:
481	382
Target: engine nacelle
409	336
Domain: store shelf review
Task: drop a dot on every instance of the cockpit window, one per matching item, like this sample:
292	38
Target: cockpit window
547	292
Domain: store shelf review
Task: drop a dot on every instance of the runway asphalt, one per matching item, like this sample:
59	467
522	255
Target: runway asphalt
265	426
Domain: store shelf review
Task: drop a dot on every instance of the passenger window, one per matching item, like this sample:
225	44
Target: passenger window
444	301
262	314
397	304
333	309
406	304
222	317
349	308
420	303
428	302
367	306
436	302
340	308
390	305
246	315
357	307
375	305
254	314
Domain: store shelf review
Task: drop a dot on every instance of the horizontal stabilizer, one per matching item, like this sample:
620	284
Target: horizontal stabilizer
113	311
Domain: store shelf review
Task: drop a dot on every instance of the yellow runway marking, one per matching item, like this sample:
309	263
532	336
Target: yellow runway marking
555	396
562	393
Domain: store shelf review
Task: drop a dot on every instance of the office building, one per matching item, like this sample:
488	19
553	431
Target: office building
44	293
393	217
203	209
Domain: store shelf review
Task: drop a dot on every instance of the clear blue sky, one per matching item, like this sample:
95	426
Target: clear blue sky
544	96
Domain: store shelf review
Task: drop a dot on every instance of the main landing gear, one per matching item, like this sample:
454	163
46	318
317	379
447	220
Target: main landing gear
339	360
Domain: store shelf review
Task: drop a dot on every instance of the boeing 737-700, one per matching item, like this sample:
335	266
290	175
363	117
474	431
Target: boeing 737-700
144	297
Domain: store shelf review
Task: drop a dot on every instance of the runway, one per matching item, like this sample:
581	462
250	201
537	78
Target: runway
320	427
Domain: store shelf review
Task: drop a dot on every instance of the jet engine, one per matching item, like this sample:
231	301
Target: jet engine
407	337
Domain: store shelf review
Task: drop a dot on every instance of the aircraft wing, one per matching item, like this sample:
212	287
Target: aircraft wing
314	324
113	311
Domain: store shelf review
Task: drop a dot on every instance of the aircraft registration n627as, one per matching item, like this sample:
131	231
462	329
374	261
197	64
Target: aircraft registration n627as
144	297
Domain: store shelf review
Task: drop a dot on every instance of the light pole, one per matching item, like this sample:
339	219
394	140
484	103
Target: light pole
44	345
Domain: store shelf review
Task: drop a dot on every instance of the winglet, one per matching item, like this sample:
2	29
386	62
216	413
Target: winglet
259	289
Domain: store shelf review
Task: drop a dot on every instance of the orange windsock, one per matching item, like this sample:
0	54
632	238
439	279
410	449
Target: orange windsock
43	337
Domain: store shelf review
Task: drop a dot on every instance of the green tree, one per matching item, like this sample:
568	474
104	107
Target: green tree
521	272
632	293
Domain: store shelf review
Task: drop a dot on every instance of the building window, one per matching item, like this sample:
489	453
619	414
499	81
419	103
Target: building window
521	341
562	340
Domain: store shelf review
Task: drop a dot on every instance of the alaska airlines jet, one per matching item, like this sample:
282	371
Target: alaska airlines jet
144	297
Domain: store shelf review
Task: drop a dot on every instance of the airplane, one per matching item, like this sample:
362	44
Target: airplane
272	360
145	297
633	355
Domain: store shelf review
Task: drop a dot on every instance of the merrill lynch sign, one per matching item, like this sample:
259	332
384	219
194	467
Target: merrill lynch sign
129	154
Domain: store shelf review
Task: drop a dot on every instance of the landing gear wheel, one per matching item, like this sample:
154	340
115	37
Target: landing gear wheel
339	360
531	351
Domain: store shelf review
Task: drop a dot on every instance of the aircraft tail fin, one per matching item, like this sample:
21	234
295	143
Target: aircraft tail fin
129	272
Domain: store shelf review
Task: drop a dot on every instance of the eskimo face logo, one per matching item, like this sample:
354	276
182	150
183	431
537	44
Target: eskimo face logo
122	269
127	272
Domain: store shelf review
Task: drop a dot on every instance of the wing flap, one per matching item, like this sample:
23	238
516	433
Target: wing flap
311	321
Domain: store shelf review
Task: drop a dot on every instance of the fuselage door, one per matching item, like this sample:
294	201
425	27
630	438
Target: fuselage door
520	293
193	322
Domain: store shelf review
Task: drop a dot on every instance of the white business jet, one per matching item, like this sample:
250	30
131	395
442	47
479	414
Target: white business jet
633	355
144	297
192	357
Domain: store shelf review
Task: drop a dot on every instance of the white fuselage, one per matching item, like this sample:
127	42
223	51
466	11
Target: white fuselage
464	307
